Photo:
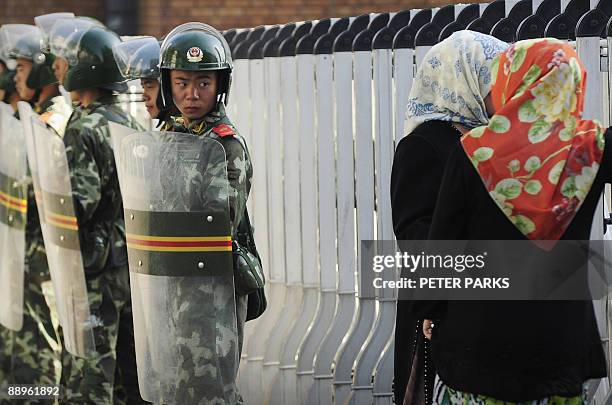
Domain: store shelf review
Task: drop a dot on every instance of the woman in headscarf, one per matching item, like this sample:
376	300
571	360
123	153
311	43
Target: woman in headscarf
535	172
447	99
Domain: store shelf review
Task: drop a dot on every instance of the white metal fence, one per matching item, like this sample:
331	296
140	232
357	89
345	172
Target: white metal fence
321	105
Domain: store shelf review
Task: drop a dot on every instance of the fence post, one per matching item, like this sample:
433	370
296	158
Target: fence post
259	152
364	191
315	97
366	206
382	390
293	214
334	313
280	309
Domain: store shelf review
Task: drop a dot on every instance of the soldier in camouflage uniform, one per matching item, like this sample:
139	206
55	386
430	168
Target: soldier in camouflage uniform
7	95
36	357
109	377
196	71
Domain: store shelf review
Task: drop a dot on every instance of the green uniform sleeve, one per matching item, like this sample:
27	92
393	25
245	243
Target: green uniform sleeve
239	174
84	174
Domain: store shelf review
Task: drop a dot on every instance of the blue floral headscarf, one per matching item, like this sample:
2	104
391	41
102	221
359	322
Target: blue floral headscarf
453	80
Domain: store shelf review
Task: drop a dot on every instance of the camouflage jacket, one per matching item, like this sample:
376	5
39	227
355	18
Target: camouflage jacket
54	111
239	168
95	185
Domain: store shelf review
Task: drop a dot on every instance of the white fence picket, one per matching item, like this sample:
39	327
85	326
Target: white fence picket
364	177
345	186
383	91
326	174
276	359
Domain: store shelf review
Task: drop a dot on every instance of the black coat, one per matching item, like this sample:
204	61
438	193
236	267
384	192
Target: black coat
511	350
418	167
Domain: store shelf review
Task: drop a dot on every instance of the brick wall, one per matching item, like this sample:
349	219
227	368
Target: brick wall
24	11
157	17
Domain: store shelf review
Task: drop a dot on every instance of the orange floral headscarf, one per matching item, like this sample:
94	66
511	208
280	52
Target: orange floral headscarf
537	157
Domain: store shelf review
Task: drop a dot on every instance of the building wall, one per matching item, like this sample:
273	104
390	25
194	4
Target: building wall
24	11
157	17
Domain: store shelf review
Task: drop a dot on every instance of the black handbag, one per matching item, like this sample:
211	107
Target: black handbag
419	390
249	277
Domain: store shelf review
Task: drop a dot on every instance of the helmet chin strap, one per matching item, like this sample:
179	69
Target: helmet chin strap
36	97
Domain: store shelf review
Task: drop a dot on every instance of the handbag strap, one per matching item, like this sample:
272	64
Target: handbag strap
246	230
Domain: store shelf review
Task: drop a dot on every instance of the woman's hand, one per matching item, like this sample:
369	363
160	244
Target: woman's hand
427	328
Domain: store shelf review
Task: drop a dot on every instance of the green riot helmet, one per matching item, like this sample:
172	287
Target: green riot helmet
196	47
88	48
23	41
138	58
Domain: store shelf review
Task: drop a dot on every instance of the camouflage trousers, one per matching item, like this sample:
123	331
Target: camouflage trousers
6	349
32	355
109	377
36	357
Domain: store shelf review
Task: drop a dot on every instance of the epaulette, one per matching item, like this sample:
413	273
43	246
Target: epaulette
224	130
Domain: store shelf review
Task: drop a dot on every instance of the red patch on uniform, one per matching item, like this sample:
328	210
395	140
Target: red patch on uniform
224	130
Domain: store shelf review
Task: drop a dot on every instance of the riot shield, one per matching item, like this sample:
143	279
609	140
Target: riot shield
13	218
61	236
26	114
6	107
118	133
175	198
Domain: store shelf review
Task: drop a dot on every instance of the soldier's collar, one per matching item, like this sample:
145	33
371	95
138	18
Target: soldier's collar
205	123
104	100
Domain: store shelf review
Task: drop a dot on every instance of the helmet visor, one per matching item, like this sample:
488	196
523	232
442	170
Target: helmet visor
138	58
45	23
22	41
65	37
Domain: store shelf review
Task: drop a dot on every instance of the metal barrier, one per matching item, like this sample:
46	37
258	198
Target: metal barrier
322	104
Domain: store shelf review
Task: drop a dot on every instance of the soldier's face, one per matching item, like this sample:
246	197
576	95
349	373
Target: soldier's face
75	96
150	90
194	93
60	67
24	67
